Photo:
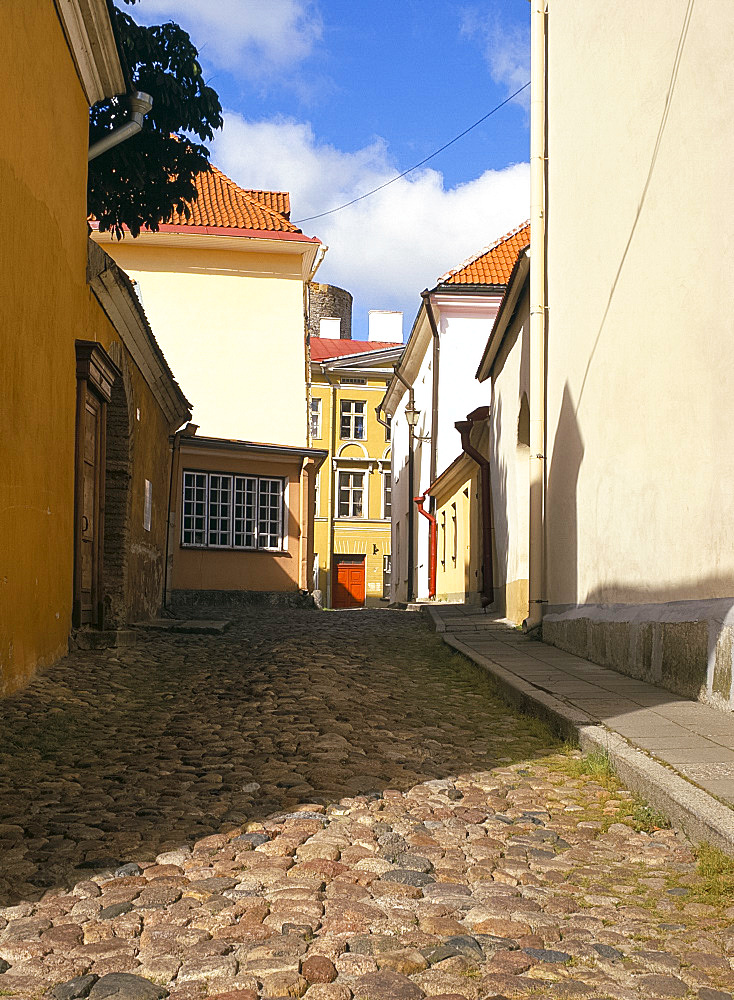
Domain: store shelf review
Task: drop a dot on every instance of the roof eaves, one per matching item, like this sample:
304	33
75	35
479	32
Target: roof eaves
507	309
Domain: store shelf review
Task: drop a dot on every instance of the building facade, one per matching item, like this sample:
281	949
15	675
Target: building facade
435	379
84	382
226	292
352	551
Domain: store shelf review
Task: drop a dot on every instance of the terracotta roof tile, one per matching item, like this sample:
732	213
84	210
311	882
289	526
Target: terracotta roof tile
493	265
222	204
324	348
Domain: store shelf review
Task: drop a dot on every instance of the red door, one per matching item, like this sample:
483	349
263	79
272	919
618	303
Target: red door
349	584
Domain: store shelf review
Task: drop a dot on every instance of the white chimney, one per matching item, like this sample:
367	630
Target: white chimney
386	325
330	327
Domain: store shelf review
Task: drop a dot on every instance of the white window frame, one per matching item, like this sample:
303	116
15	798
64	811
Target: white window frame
317	495
315	412
351	487
386	477
351	415
237	514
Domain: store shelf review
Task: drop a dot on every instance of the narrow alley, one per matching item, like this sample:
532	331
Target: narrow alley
333	805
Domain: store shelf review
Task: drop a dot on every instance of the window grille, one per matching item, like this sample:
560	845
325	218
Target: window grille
352	381
226	511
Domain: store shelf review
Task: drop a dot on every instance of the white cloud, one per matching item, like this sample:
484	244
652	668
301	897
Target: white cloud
390	246
506	48
252	37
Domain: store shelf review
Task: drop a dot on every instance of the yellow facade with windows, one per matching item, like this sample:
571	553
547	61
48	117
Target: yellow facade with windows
458	532
352	522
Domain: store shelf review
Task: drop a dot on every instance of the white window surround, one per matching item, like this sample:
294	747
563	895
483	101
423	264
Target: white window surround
386	494
315	418
352	420
224	510
351	495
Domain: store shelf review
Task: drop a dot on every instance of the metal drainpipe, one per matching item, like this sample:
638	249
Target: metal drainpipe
140	105
464	428
432	543
537	358
426	296
175	450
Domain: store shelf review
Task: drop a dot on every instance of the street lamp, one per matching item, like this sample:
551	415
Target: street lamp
411	413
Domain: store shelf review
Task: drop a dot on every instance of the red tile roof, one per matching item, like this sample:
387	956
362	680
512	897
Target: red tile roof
324	348
222	204
493	265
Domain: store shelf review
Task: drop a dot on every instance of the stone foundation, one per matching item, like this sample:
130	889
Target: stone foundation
197	600
685	647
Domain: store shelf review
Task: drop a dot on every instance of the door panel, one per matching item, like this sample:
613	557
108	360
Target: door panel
349	585
89	510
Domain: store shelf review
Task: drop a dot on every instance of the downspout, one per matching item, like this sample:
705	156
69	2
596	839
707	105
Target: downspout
411	490
318	261
536	571
432	543
464	428
333	492
140	105
426	296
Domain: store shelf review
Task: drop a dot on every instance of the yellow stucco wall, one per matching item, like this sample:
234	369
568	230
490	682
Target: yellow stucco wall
352	536
230	323
45	305
458	536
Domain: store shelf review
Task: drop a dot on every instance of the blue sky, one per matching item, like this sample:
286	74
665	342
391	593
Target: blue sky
329	98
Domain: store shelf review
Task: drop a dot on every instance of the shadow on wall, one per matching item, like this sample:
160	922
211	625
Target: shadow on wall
658	635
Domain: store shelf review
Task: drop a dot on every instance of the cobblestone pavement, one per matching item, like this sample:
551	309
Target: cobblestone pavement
330	806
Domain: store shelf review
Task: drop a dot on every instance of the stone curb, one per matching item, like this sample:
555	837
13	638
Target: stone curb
700	815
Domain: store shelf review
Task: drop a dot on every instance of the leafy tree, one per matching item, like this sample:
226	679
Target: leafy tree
144	179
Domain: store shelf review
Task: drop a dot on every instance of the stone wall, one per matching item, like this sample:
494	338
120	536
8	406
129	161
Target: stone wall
685	646
326	302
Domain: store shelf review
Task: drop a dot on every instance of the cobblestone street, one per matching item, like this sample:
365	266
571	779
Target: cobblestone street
331	805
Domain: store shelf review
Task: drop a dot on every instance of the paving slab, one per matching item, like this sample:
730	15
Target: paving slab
689	738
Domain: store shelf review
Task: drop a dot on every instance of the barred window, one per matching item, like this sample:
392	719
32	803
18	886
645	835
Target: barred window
226	511
316	418
193	527
220	511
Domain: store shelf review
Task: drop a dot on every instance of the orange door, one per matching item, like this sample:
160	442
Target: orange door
349	584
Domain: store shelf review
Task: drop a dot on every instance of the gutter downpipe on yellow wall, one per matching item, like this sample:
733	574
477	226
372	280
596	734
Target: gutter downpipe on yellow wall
140	105
536	598
332	490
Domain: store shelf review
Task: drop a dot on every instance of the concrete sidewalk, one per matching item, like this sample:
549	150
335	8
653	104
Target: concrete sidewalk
677	753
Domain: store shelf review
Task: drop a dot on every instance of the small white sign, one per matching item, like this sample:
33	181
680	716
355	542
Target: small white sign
147	513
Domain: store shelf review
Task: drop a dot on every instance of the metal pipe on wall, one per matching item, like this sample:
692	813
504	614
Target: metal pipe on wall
536	571
432	543
435	372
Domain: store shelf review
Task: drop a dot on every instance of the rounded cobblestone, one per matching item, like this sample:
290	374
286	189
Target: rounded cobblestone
330	806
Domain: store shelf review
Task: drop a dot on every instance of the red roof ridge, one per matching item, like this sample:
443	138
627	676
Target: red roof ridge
483	252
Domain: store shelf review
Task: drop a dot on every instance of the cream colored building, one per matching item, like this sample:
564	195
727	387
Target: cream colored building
225	293
634	551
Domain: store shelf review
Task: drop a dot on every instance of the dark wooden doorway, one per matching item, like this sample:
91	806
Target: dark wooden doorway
349	582
95	373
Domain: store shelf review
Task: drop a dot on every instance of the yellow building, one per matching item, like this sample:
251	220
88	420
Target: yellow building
353	496
85	386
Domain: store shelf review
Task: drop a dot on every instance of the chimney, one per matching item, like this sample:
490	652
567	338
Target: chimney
386	325
330	327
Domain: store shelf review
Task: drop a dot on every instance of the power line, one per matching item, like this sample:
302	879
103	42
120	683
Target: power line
415	166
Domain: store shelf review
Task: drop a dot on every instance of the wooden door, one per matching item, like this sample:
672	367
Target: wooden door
349	585
95	375
89	510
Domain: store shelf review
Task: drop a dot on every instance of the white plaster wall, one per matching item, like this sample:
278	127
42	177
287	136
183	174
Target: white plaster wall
463	340
509	465
640	500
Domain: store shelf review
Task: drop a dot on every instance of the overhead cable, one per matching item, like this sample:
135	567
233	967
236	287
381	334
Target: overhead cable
415	166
